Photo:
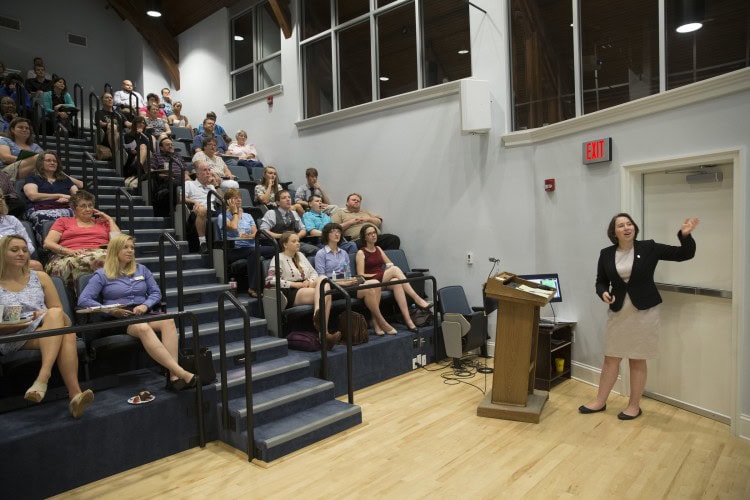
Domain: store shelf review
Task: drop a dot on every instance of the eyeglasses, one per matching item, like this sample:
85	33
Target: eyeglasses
87	206
22	127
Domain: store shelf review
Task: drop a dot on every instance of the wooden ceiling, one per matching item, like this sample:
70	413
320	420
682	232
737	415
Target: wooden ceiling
178	16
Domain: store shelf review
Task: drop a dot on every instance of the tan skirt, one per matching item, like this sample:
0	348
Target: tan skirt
631	333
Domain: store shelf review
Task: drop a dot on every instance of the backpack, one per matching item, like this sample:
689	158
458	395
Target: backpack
357	330
421	317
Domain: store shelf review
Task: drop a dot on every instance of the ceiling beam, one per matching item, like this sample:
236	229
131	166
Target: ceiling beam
156	35
283	16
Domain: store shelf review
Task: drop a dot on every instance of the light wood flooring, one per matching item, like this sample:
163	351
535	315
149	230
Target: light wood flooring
421	438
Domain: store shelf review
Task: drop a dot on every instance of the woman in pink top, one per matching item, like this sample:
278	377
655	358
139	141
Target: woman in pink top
79	242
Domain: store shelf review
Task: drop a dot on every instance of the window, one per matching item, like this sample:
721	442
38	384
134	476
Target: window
619	53
357	51
256	51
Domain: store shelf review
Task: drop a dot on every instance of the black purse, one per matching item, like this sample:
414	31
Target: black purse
202	365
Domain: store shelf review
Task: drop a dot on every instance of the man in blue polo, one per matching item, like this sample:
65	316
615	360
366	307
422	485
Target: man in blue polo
314	220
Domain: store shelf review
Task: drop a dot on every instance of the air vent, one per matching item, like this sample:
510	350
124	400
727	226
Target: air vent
77	40
10	23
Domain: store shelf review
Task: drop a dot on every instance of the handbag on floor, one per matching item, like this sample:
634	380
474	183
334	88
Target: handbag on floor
203	364
421	317
303	341
357	330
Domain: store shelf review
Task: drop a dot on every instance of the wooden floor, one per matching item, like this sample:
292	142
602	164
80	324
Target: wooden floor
421	438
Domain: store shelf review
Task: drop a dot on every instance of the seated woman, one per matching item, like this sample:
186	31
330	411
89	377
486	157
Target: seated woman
49	191
246	154
372	262
18	150
36	293
58	104
106	118
77	242
10	225
177	119
241	226
216	162
299	282
331	259
267	189
136	144
123	281
156	125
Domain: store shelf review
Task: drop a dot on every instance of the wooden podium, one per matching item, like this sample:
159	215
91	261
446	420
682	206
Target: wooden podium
513	396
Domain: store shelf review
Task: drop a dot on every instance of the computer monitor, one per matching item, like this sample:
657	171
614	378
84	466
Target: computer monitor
551	280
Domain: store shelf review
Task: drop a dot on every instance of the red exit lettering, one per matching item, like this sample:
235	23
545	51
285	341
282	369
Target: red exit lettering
595	150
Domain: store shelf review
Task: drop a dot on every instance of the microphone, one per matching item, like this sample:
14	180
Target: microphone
494	260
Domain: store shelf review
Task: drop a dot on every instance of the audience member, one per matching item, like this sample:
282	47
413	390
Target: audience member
10	225
372	262
353	218
177	119
49	191
18	151
241	228
208	131
155	125
127	97
7	113
132	285
152	98
311	187
38	61
166	97
13	87
107	118
164	163
196	192
136	144
218	129
333	261
208	155
39	83
58	103
268	187
283	218
246	154
14	205
315	220
77	242
36	293
299	282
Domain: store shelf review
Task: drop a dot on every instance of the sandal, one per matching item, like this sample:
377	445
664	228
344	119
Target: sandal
36	392
79	402
252	293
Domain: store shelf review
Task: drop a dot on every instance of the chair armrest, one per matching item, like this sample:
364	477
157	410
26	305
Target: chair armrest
477	308
420	270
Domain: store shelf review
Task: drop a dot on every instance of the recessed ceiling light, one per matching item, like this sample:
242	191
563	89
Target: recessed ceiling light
239	38
463	52
153	13
687	28
384	78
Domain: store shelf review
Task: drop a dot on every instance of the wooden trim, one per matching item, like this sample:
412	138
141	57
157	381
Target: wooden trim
283	16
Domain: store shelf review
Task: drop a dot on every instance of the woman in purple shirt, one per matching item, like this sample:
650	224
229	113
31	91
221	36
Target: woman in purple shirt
122	281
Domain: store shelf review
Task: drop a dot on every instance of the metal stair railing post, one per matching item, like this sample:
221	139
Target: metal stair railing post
277	289
335	287
115	145
131	208
118	323
180	181
39	122
89	158
216	199
78	103
93	126
162	269
108	88
248	370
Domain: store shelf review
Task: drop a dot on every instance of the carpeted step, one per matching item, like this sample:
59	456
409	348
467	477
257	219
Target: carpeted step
266	374
144	235
207	314
209	331
138	210
189	261
149	248
284	436
193	294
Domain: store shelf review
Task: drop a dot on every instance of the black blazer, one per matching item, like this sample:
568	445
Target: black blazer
641	287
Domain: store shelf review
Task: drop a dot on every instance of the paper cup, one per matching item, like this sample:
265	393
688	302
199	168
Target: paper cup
12	312
560	365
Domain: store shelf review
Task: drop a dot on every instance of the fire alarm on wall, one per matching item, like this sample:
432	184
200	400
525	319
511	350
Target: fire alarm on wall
269	100
549	185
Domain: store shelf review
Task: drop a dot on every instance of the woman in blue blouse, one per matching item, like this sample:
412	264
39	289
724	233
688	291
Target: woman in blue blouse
122	281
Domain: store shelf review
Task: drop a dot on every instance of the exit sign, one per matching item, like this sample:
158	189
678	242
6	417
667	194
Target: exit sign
597	151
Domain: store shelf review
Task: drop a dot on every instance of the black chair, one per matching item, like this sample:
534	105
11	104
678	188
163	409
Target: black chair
464	327
398	257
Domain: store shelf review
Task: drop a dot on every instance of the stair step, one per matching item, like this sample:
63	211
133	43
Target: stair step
276	439
233	328
266	374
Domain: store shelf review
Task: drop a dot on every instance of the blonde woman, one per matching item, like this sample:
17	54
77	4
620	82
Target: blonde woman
123	281
37	294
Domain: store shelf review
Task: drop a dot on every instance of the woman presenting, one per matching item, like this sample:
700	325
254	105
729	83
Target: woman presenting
625	281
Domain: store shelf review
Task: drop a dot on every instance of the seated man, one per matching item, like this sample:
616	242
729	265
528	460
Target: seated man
166	97
129	98
38	61
39	84
352	218
152	99
281	219
162	160
219	168
218	129
314	220
196	193
209	131
313	187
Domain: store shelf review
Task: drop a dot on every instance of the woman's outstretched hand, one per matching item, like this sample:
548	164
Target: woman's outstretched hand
609	299
689	225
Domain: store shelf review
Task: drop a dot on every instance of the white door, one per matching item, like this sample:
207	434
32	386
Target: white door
694	366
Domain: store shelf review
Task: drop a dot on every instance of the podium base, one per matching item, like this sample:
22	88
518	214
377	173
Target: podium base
529	413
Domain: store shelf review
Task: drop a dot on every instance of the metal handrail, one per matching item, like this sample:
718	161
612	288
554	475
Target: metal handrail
248	369
181	198
14	337
88	157
38	115
108	87
60	130
94	106
260	235
163	269
131	208
78	103
216	198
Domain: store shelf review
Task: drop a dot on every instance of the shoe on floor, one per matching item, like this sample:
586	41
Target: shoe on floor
79	402
204	247
585	410
623	416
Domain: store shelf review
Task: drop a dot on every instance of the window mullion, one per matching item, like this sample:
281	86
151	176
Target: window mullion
577	66
419	33
374	56
335	70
